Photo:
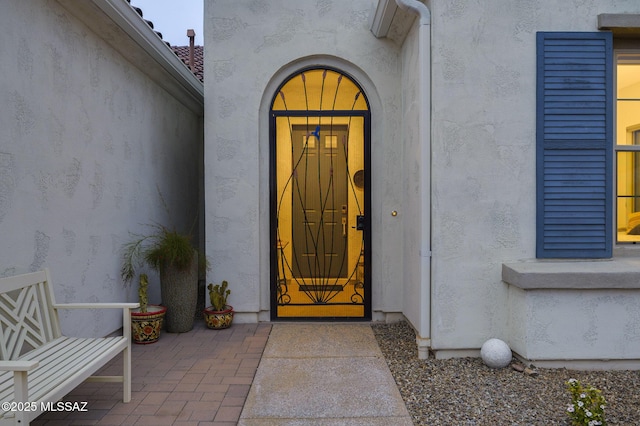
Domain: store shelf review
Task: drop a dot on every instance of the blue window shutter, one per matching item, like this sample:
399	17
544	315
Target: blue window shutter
574	145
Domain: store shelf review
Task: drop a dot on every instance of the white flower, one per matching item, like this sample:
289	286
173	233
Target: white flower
572	380
602	406
592	423
588	413
570	409
583	395
580	403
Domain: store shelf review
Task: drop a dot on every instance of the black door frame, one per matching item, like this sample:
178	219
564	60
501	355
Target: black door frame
273	243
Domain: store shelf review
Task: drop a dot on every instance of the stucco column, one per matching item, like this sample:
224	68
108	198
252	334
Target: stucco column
423	338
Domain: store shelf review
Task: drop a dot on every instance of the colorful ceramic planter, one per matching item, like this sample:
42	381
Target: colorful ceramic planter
146	326
218	319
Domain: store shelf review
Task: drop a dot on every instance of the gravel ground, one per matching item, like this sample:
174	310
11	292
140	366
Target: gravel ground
464	391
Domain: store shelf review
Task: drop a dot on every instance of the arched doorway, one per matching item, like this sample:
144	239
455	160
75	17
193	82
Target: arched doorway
319	133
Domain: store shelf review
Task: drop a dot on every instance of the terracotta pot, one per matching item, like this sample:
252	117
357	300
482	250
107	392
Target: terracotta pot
218	320
146	326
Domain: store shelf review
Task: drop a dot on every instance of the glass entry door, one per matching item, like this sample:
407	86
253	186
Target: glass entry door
319	180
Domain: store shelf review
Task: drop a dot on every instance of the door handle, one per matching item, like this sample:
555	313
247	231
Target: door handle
344	227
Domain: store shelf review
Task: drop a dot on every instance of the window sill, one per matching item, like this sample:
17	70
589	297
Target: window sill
621	24
617	273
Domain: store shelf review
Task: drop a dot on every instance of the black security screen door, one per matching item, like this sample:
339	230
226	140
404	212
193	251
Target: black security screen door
319	180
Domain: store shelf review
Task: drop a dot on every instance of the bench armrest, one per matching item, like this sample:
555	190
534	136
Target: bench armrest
18	365
96	305
126	312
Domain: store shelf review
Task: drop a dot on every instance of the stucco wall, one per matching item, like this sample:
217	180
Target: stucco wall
87	145
250	48
412	306
575	325
483	147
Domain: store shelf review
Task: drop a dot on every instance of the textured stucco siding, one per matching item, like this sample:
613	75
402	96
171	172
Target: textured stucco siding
575	324
483	148
90	149
251	47
483	139
412	306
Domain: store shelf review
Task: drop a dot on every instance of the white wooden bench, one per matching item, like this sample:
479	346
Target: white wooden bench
38	365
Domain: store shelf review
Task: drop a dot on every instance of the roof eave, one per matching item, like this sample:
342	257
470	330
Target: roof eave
121	26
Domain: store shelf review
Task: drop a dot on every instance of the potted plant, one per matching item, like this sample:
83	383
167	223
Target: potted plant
219	315
174	257
146	321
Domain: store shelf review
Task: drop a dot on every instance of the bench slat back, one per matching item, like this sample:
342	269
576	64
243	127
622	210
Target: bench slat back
27	317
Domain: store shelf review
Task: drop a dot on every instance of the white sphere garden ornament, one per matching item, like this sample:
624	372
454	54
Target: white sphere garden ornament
495	353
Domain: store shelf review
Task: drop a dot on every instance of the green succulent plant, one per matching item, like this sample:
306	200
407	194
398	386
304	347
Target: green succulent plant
218	294
142	292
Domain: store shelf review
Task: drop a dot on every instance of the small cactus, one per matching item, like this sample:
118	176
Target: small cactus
142	292
218	295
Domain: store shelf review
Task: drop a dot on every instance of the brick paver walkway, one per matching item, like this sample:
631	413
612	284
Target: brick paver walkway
200	378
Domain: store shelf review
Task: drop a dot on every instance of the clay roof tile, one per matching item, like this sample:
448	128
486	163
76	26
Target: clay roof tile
198	58
181	51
